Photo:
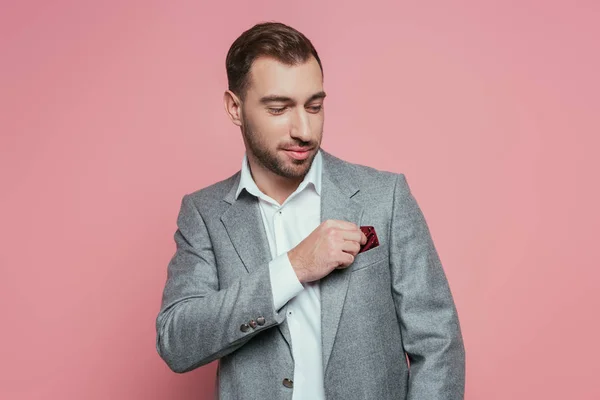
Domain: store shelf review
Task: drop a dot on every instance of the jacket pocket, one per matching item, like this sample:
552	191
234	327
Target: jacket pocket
369	258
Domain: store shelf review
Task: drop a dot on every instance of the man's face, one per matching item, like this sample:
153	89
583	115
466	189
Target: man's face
282	115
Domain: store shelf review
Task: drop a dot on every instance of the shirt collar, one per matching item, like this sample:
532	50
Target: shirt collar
313	176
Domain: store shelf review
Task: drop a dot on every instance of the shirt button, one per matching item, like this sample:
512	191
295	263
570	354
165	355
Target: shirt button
260	320
288	383
252	323
245	327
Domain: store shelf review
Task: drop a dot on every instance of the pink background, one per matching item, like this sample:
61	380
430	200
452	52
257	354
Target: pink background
111	112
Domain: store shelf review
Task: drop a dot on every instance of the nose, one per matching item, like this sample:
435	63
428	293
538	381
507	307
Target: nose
300	128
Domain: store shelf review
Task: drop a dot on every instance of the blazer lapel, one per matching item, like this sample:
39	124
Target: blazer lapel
336	203
244	225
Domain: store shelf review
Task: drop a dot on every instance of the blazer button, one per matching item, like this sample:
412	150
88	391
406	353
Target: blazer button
245	328
252	323
288	383
260	320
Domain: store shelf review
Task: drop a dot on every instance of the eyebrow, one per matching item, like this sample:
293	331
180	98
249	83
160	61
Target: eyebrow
285	99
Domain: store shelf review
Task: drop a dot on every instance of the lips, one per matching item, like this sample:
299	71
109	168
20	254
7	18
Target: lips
298	153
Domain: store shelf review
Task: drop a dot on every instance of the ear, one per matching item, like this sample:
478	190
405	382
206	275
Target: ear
233	107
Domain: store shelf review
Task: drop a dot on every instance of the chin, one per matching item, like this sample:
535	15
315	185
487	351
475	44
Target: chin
301	167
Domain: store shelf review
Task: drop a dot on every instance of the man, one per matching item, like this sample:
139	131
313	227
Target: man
269	277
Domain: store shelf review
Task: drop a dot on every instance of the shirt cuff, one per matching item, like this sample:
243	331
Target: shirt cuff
284	281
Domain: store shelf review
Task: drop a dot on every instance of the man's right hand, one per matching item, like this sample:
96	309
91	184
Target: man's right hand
333	244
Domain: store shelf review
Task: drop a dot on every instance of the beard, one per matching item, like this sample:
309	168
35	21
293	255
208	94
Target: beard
273	160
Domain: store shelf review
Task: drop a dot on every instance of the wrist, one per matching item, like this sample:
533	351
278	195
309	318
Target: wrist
296	265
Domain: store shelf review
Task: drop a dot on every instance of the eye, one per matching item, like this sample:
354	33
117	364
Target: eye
315	109
276	110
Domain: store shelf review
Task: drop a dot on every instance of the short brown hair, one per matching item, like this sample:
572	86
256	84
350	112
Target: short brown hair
270	39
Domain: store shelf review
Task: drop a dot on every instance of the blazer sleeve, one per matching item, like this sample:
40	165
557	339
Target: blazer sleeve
431	334
198	321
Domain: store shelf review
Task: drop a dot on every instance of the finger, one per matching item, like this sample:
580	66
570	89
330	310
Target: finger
345	260
355	236
344	225
350	246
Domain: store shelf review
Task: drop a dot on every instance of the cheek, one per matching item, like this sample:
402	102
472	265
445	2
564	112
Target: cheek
270	129
317	122
275	126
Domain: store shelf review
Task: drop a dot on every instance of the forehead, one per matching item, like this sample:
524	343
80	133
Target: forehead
269	76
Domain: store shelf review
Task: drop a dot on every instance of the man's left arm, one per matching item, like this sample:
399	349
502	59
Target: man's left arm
431	334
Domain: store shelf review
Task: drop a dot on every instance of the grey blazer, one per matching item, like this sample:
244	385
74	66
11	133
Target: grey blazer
392	307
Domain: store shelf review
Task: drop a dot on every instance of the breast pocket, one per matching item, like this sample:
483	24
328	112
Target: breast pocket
369	258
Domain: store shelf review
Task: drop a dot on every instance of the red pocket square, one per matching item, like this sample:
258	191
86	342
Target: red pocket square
372	240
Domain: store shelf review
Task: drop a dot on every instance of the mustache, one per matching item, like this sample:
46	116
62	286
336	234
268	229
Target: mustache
303	145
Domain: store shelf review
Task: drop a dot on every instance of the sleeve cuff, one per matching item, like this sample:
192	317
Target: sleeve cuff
284	282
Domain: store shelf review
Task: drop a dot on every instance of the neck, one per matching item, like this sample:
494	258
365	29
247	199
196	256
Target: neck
275	186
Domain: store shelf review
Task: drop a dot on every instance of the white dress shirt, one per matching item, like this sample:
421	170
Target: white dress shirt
287	225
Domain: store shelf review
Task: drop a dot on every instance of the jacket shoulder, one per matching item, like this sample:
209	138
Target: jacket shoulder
362	175
214	193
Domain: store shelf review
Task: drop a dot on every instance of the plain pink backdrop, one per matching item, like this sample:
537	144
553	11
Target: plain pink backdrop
111	111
